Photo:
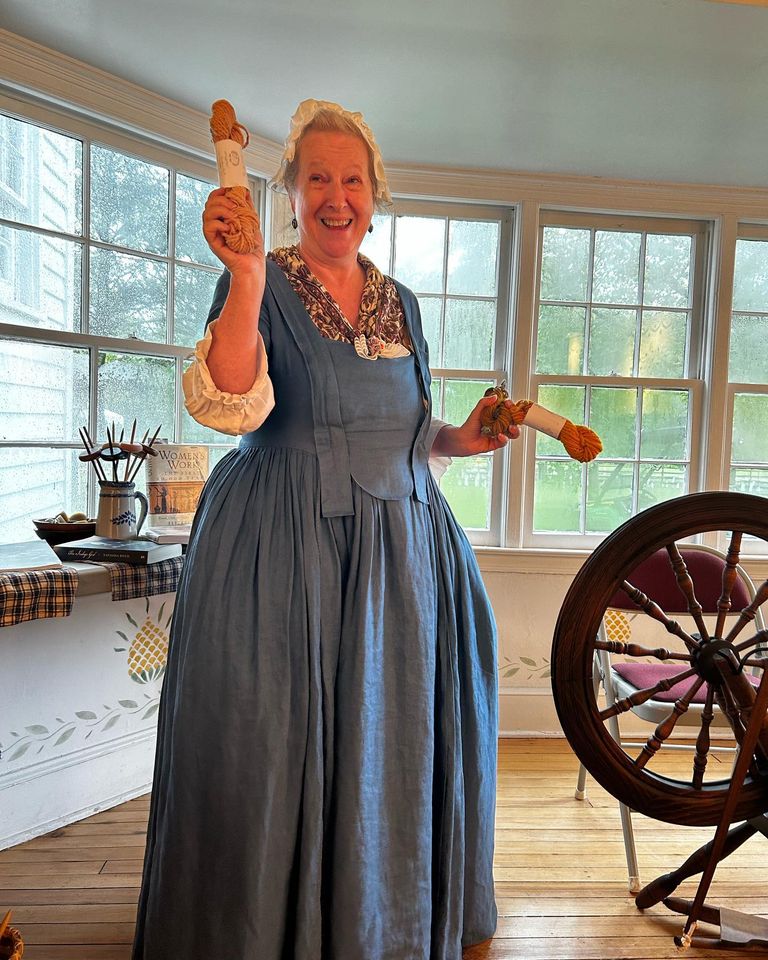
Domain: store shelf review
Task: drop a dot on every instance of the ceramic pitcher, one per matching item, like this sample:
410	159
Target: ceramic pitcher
116	518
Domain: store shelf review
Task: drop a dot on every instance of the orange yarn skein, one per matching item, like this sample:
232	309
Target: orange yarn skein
580	442
244	236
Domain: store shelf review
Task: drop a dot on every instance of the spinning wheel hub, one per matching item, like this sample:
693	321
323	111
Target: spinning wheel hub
715	660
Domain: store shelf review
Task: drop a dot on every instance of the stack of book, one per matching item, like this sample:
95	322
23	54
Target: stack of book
102	550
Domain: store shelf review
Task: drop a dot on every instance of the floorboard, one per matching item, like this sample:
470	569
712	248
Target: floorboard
560	875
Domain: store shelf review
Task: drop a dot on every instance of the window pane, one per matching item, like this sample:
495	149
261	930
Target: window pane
617	266
611	342
43	280
609	495
750	437
419	247
436	389
750	279
560	347
377	246
750	480
748	361
472	257
41	180
43	391
667	270
128	296
430	308
660	482
132	386
564	264
662	344
461	396
470	330
36	484
566	401
557	496
191	195
664	433
129	201
613	416
193	293
466	485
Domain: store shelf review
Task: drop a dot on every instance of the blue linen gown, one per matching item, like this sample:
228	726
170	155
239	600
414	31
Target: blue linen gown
326	758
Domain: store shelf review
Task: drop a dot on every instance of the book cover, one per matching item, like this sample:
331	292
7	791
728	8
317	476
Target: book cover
101	549
175	479
178	533
31	555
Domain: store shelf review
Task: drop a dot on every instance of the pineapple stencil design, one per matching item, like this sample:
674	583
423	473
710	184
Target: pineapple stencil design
148	649
617	626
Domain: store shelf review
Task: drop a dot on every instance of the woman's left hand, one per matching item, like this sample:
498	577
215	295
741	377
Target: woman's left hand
468	440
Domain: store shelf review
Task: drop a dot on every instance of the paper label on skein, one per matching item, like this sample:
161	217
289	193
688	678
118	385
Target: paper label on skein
544	420
230	163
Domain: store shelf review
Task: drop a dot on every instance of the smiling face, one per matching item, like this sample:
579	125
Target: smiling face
332	196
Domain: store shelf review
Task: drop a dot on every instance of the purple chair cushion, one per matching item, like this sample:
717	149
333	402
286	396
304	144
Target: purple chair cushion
644	675
656	577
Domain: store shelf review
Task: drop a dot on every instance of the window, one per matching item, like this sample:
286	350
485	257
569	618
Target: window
12	134
105	282
748	364
617	348
456	259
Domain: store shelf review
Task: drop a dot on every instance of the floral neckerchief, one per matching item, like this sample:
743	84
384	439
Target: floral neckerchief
381	320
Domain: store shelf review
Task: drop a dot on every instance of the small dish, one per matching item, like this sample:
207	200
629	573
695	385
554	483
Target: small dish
55	532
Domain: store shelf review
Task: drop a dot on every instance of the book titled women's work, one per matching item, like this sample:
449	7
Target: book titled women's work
175	479
103	550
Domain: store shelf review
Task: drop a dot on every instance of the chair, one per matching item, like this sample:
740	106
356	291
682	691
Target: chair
656	578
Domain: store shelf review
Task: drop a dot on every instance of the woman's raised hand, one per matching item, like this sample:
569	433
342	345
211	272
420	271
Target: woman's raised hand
218	214
468	440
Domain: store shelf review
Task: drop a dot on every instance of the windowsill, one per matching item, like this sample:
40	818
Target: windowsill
569	562
91	579
530	560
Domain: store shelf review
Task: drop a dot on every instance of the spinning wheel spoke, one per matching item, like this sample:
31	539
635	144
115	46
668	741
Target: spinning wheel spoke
748	614
642	696
636	650
685	582
729	578
654	610
665	728
703	741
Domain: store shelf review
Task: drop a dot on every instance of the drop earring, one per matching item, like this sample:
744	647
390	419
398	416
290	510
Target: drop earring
295	223
370	228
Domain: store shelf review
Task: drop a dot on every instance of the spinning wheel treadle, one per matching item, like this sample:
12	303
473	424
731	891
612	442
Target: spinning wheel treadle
713	653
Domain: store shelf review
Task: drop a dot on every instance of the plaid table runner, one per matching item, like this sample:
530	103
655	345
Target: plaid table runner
144	580
36	595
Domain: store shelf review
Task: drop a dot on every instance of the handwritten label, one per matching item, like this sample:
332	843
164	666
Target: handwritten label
230	163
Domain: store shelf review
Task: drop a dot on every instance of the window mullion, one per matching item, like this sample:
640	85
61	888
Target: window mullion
712	433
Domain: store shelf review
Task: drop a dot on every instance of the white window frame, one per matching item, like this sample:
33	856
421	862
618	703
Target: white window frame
700	229
745	231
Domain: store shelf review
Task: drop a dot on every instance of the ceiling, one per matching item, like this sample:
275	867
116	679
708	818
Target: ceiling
673	90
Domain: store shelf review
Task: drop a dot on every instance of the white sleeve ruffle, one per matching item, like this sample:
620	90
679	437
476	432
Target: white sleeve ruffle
232	413
437	465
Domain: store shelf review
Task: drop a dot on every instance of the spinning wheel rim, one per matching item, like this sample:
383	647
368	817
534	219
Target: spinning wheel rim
572	657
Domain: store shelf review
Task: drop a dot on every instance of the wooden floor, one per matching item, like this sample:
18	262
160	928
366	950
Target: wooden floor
561	878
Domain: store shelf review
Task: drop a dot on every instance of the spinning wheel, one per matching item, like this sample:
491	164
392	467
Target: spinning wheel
713	654
704	656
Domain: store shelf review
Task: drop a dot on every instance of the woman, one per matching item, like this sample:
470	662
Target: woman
325	775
